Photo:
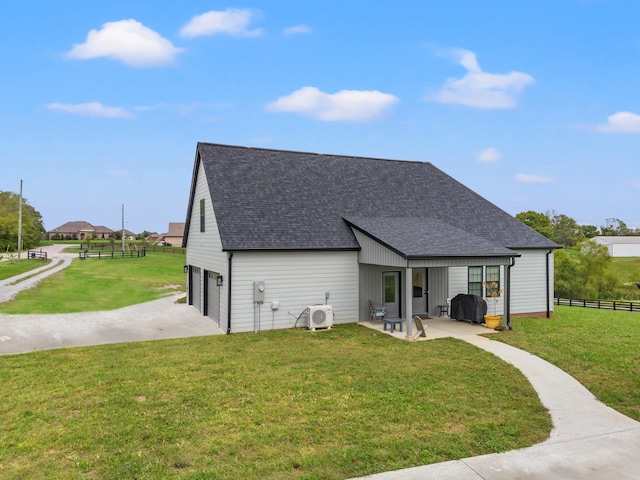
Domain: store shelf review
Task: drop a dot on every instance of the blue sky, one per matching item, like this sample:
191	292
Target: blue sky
533	104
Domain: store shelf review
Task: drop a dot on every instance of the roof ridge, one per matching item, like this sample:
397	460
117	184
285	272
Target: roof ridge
298	152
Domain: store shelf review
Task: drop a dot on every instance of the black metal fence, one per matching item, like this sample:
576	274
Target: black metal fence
602	304
37	254
113	254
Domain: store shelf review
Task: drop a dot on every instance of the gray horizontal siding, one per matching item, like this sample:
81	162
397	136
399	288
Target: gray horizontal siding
295	280
204	249
528	280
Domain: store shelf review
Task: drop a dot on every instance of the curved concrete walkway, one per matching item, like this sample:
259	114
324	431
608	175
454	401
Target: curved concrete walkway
589	440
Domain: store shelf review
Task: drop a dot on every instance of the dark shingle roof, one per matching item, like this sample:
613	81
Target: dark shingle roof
426	237
273	199
73	227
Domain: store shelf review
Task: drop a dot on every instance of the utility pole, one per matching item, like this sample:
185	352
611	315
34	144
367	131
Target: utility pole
20	222
123	229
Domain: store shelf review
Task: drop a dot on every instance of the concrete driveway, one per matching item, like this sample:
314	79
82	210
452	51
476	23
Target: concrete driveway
159	319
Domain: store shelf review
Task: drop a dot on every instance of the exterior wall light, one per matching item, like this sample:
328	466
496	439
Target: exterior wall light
219	281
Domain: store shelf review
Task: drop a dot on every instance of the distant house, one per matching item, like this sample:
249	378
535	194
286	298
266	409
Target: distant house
128	234
627	246
270	233
80	230
174	236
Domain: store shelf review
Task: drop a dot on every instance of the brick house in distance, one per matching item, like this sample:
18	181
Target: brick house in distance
80	230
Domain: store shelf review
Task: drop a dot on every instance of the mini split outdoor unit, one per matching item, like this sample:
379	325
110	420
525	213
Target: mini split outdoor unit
320	316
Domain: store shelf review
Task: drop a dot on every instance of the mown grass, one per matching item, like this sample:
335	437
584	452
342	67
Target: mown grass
279	405
627	271
10	268
600	348
106	284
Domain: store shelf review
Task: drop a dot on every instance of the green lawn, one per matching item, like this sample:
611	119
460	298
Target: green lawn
11	268
280	405
600	348
92	284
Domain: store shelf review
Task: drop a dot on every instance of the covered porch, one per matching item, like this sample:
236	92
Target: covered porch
414	266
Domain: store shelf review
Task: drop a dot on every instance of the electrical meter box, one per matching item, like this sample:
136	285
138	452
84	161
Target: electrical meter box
258	292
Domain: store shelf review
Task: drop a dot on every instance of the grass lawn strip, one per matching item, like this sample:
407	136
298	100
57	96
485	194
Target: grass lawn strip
107	284
600	348
11	268
37	273
280	405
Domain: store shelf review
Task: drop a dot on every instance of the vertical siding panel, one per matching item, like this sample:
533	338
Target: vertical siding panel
438	289
371	287
374	253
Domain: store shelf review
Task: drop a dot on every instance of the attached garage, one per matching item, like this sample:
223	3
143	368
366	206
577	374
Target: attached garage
212	296
195	287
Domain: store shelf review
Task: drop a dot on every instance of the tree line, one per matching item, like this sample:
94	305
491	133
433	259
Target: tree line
581	267
32	227
566	232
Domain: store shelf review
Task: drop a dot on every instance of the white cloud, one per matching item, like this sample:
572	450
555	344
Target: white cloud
128	41
490	155
232	21
480	89
525	178
621	122
90	109
297	30
343	106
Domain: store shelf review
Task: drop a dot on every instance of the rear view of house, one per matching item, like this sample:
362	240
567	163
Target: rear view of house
270	233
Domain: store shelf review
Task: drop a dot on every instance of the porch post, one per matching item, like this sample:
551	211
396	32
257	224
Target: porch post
408	301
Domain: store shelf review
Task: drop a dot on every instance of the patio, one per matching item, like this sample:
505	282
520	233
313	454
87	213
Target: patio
436	327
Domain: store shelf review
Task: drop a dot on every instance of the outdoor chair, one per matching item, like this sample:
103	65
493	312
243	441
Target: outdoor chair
376	311
420	327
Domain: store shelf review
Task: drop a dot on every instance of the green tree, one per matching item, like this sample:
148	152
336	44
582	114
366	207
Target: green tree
584	274
590	231
565	230
594	259
615	226
540	222
32	227
568	281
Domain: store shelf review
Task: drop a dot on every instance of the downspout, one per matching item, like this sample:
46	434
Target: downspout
507	313
548	285
230	258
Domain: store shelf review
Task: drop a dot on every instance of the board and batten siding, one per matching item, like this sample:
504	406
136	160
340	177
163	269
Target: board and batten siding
295	280
204	249
373	253
371	287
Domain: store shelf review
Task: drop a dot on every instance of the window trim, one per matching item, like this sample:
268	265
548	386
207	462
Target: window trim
489	274
476	284
495	278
